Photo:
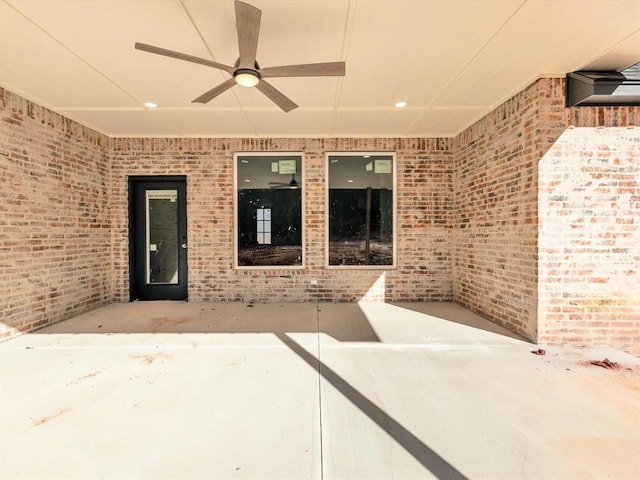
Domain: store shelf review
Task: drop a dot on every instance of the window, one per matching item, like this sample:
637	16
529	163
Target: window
269	205
263	227
360	209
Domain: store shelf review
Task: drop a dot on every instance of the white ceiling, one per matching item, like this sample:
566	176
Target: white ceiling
451	61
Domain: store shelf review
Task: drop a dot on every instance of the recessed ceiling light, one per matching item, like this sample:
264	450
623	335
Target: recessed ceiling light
150	105
350	181
401	104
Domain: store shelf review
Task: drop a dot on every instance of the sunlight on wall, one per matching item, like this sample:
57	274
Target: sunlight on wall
376	292
589	238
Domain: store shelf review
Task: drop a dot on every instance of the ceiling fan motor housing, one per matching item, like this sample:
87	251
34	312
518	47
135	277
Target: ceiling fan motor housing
247	77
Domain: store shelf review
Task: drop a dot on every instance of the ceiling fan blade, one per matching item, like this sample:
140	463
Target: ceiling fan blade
276	96
329	69
215	91
248	25
182	56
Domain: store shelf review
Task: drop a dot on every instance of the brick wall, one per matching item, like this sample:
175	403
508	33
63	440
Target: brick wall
589	224
469	213
55	250
589	240
495	190
547	218
424	236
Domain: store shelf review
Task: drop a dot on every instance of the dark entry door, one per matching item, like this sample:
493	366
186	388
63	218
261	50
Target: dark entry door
158	238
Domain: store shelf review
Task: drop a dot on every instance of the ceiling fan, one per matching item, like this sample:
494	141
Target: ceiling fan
290	185
246	71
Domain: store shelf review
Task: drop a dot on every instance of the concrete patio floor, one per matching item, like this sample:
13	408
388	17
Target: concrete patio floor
151	390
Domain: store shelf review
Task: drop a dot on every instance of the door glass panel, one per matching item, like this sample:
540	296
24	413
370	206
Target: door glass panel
162	236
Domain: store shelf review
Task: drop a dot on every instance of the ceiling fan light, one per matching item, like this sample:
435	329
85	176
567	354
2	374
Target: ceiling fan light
246	78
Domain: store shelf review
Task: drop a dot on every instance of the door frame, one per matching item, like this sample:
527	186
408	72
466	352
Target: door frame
132	181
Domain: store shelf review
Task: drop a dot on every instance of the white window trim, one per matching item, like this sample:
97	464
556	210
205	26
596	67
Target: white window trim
394	264
235	211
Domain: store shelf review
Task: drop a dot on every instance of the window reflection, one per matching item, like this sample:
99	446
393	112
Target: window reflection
162	236
360	216
269	210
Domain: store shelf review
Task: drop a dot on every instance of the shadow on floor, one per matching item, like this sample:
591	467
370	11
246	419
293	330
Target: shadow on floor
429	459
413	323
346	323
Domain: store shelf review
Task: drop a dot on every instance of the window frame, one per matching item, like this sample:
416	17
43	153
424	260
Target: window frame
236	157
394	264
